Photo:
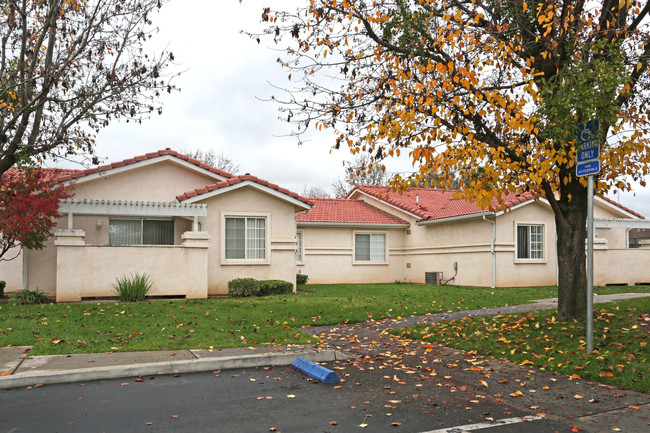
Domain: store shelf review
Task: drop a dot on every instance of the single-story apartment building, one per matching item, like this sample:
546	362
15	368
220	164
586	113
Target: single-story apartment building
193	228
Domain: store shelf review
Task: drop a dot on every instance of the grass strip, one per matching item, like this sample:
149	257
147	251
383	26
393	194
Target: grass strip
537	339
174	325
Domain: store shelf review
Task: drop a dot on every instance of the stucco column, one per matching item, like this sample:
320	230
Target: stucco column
197	244
195	239
69	237
65	240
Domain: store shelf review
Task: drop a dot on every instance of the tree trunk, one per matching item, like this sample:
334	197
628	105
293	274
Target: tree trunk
571	222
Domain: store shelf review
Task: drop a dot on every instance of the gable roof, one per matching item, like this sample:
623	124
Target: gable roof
76	174
433	203
346	211
621	207
240	181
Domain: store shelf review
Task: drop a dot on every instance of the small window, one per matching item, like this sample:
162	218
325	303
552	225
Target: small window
245	238
370	247
299	247
530	241
140	232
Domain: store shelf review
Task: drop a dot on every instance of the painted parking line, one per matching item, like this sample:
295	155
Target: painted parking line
482	425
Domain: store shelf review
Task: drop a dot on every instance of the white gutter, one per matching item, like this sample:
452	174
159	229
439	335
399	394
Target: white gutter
362	225
25	268
493	251
456	218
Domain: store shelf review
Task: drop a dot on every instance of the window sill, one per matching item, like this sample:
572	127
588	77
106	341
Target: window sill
245	263
530	261
369	263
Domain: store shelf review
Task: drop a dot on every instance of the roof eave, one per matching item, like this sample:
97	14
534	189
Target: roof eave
224	189
455	218
347	224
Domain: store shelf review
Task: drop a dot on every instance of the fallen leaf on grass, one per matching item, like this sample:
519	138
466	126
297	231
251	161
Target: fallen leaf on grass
395	424
516	394
291	396
333	423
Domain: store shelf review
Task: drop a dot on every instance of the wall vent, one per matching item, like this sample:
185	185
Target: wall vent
408	266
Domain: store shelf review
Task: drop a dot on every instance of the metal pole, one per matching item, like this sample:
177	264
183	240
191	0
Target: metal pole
590	264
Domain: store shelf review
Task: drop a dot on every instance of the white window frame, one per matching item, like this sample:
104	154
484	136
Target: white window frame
369	262
543	259
300	247
267	238
142	220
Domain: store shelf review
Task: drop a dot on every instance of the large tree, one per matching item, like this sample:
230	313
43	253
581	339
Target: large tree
68	68
497	84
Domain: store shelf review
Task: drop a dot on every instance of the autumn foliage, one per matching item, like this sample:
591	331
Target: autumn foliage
490	91
29	203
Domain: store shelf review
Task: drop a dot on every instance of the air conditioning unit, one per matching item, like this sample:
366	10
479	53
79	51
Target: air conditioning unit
433	278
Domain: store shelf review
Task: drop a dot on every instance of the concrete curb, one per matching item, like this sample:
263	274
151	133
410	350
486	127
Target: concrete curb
167	367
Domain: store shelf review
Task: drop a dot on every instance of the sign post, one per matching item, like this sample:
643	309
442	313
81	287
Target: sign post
588	164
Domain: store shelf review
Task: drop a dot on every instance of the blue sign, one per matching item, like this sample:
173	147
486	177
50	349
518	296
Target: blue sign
588	152
588	168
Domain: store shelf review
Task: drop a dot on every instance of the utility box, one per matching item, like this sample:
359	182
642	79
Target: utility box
433	278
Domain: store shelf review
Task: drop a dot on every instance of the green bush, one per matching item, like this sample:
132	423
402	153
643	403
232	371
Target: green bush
242	287
26	296
3	284
302	278
275	287
132	288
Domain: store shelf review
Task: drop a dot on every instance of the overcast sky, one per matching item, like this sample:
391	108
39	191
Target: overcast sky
219	107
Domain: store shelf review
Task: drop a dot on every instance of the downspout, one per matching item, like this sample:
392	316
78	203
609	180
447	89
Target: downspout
493	251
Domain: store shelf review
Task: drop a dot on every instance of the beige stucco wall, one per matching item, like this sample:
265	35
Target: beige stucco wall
280	233
11	271
89	271
328	256
159	181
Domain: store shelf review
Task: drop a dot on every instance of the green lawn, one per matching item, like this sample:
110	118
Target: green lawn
157	325
537	339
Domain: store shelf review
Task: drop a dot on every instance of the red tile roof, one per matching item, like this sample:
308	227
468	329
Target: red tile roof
80	173
432	204
52	174
329	210
238	179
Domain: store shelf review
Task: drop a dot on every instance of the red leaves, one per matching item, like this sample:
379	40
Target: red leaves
29	204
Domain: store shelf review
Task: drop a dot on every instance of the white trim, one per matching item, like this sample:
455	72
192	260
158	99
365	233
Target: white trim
156	159
608	223
544	258
359	225
525	203
265	189
267	241
455	218
369	262
384	202
131	208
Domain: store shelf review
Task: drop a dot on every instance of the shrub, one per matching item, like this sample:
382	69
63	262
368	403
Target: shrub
302	278
241	287
275	287
26	297
3	284
132	288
